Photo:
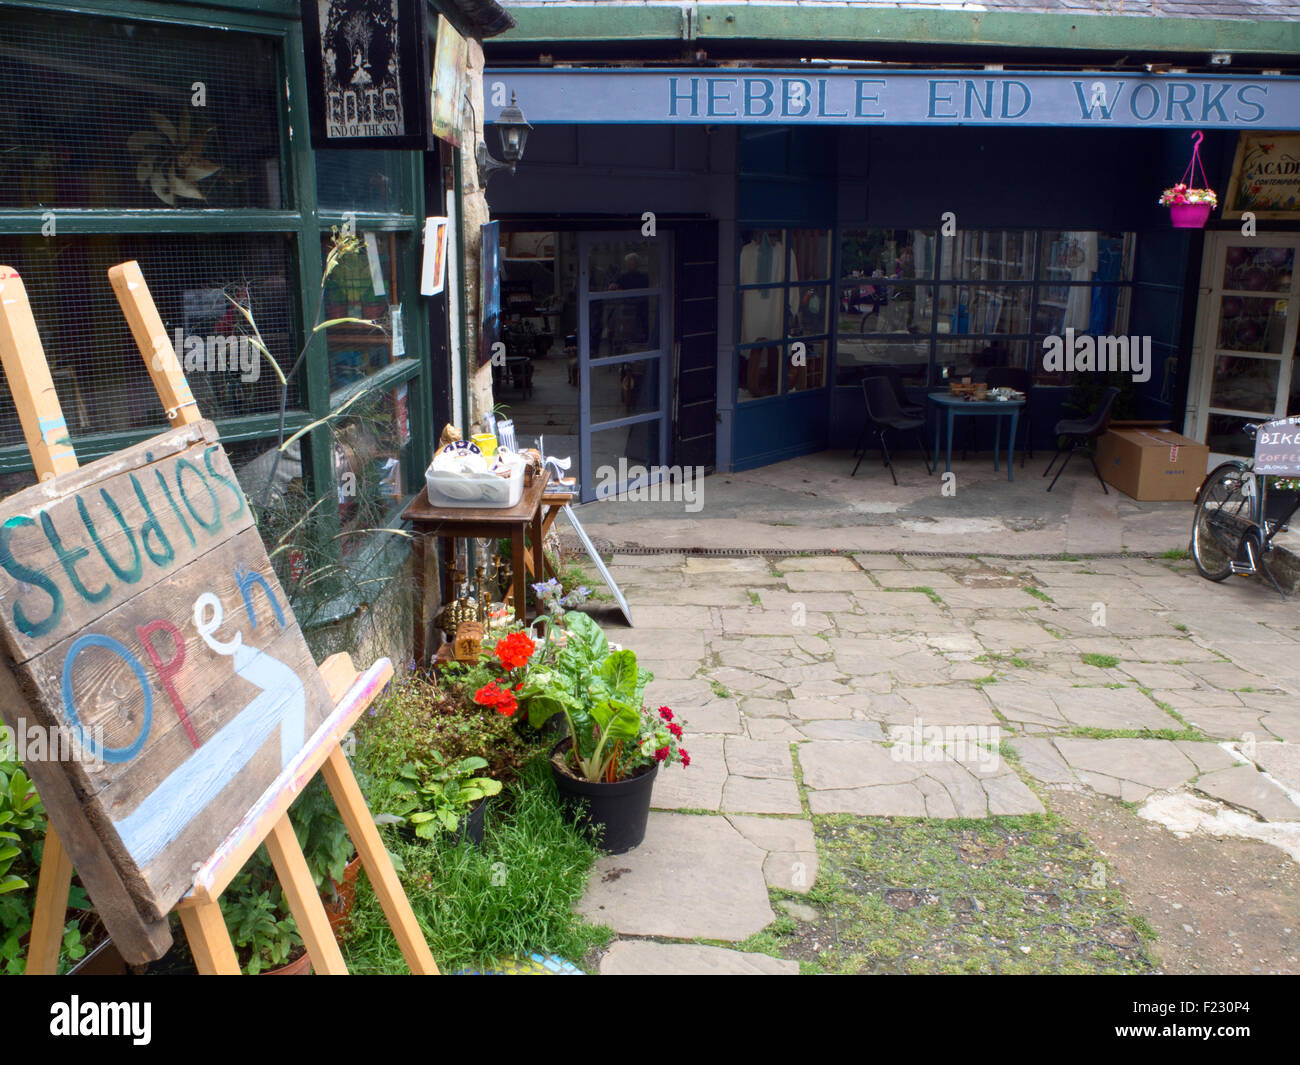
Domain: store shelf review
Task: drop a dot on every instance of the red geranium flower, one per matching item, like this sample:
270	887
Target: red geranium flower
686	758
501	699
661	754
676	730
515	650
665	713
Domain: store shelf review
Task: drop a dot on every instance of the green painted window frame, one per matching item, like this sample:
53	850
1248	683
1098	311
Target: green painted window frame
304	223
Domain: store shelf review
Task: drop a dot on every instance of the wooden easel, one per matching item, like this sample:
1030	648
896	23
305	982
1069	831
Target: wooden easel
268	822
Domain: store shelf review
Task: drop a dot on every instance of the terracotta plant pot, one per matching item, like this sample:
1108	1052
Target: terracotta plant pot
339	908
618	811
299	966
1189	215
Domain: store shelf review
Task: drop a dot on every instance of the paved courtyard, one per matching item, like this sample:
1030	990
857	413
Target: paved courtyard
870	696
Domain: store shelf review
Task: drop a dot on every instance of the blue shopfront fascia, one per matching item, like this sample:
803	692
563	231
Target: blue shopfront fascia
939	97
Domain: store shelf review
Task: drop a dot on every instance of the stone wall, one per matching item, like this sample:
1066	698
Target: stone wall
474	213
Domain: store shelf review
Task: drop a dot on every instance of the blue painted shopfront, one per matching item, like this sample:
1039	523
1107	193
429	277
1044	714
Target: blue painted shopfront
847	248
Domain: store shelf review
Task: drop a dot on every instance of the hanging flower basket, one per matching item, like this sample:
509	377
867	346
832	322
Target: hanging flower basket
1190	205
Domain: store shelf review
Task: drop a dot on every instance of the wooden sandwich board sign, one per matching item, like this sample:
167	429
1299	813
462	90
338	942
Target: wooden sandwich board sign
139	614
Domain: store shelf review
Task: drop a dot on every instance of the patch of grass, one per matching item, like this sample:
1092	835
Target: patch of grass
515	895
1100	661
1181	628
1143	927
930	593
720	690
979	682
1068	558
907	895
754	598
1175	554
1038	593
1135	733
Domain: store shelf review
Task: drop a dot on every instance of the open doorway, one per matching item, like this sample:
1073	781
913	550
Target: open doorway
586	326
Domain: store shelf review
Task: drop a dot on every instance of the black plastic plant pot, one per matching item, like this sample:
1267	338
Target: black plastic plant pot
471	825
615	813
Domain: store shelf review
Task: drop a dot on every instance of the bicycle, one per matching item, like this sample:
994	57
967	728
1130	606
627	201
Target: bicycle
1236	520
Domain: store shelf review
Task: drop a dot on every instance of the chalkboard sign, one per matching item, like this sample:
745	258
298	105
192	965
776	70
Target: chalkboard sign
140	616
368	80
1277	448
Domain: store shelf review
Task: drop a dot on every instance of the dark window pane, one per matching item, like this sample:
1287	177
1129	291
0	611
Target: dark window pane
1245	384
359	180
760	372
988	255
1085	255
1224	435
1252	323
100	113
870	305
806	369
762	257
974	357
1254	269
100	375
871	355
984	308
359	288
811	250
894	253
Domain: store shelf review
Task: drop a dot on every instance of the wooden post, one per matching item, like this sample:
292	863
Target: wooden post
46	433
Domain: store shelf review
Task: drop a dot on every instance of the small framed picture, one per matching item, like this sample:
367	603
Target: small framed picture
434	274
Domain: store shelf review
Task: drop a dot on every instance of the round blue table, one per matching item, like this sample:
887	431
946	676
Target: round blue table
997	408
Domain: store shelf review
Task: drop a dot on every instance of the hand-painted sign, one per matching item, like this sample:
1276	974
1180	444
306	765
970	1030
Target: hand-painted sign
139	611
1277	448
1265	176
367	73
718	96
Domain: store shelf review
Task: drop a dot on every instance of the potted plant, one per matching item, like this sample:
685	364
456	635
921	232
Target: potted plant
262	930
1190	205
606	767
446	796
1189	208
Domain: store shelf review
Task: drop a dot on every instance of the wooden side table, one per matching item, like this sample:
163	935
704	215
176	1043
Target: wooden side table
453	523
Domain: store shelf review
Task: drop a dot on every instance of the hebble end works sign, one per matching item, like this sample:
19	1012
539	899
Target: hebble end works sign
367	73
718	96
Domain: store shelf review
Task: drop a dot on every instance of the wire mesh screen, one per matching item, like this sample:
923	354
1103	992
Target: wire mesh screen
100	375
103	113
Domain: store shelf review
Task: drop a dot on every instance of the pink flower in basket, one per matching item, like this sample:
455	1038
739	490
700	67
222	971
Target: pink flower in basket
1182	194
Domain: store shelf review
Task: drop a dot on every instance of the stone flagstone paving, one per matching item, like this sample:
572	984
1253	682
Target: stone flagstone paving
887	686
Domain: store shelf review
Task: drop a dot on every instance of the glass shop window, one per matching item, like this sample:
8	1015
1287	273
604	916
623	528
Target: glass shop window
785	311
104	113
102	379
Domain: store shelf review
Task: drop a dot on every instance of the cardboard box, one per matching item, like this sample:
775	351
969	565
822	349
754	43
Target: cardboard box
1152	464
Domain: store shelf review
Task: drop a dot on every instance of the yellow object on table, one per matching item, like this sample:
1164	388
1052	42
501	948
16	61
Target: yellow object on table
486	443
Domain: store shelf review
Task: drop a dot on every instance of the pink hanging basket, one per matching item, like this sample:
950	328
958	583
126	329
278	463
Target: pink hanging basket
1189	215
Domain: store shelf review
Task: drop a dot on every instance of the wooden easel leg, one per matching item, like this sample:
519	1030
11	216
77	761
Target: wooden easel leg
383	877
209	939
304	900
51	907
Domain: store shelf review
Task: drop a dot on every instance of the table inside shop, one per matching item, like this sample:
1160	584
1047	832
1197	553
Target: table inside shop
958	405
520	522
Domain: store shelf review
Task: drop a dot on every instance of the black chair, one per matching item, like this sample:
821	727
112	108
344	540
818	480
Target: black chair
1022	381
884	414
905	405
1078	432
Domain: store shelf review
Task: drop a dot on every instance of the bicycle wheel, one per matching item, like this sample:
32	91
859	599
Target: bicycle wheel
1224	513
